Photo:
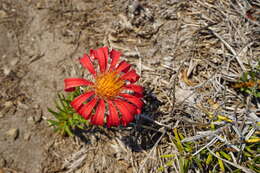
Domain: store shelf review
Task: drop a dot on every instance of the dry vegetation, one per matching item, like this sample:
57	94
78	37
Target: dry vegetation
191	56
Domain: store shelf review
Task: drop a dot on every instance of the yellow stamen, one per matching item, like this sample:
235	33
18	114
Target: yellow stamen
108	85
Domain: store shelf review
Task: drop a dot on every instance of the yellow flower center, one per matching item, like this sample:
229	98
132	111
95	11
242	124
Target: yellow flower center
108	85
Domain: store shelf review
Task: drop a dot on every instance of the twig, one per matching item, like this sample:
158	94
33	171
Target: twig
229	48
150	153
154	121
213	141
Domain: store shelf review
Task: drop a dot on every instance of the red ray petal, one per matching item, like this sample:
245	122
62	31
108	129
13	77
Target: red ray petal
138	95
127	110
114	55
138	111
71	83
132	99
106	53
86	110
123	67
98	118
78	101
136	88
112	119
86	63
102	55
130	76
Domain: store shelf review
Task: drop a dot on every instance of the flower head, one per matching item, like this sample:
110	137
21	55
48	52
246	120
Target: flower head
113	88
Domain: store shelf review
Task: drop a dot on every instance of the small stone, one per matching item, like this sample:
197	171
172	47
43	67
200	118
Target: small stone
27	136
38	117
2	14
14	61
1	115
7	70
2	162
13	133
22	105
36	106
93	139
30	120
8	104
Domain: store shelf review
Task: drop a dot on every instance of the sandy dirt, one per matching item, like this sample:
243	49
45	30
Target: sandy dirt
39	46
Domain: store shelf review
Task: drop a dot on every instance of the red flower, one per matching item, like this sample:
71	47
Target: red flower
113	88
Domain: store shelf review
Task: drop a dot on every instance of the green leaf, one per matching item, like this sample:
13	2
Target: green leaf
225	155
168	156
67	129
257	94
187	147
199	162
248	148
220	162
66	117
183	164
79	126
247	154
178	141
53	122
209	159
160	169
56	114
169	163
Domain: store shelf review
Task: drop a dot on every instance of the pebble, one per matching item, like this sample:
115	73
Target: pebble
8	108
34	119
27	136
14	61
7	70
22	105
13	133
8	104
36	106
30	120
38	116
2	14
2	162
93	139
